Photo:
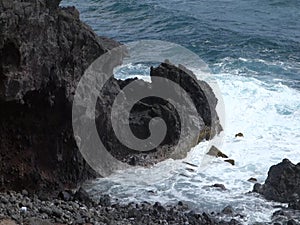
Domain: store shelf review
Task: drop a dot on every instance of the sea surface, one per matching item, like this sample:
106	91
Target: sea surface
252	49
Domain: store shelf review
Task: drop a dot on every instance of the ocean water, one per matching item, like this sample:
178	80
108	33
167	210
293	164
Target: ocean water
252	49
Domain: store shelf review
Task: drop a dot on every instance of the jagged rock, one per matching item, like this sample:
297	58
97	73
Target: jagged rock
239	135
252	179
200	92
282	183
231	161
151	107
214	151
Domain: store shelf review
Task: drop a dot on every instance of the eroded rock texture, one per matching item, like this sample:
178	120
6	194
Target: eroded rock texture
282	184
44	51
203	125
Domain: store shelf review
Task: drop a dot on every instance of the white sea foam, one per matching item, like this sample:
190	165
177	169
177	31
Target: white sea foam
268	114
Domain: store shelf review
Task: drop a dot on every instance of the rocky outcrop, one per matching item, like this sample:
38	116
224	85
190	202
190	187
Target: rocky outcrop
203	99
99	211
282	184
44	51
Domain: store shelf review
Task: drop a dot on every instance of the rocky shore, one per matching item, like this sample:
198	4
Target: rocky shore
78	208
44	51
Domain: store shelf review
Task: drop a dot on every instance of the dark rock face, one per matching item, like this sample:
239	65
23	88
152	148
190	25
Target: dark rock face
282	184
143	111
44	51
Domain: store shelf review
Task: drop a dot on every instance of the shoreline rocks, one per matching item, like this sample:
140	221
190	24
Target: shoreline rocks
101	211
282	183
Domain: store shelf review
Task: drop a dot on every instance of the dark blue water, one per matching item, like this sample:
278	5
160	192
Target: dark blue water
258	38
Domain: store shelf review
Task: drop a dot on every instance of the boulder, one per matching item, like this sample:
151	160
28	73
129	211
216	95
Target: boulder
151	107
282	183
82	196
252	179
239	135
214	151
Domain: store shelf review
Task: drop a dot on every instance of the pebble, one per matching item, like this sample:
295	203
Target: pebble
25	192
79	212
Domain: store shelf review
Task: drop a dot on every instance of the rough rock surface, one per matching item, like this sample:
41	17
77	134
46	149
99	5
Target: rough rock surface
33	211
282	184
205	126
44	51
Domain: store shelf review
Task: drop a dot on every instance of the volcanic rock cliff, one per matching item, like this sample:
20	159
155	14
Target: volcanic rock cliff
44	51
